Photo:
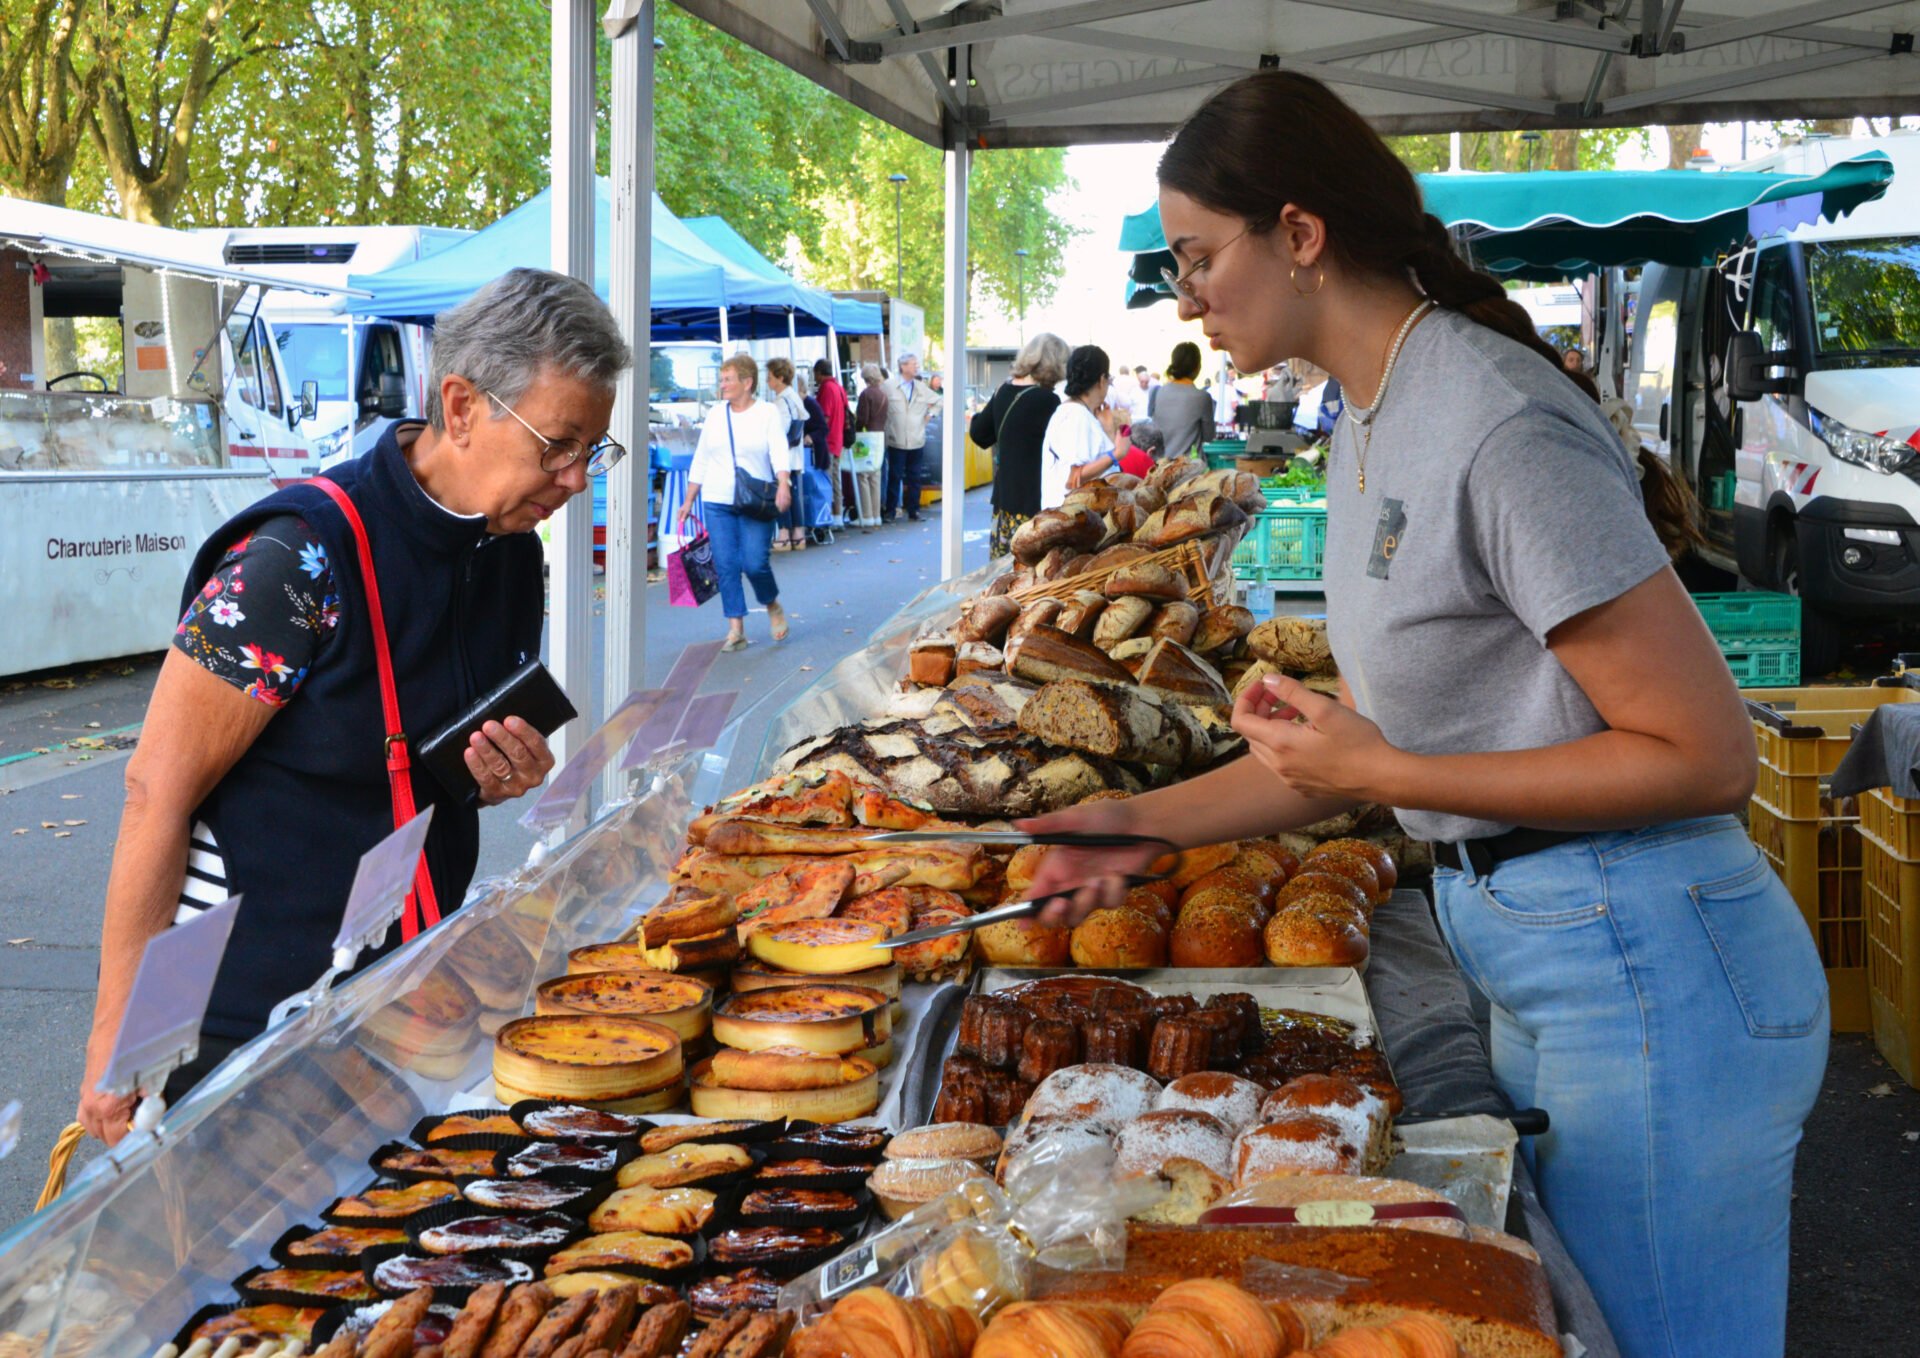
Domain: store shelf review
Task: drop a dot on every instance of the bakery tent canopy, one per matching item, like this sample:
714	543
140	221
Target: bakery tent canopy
968	76
1546	225
692	280
848	316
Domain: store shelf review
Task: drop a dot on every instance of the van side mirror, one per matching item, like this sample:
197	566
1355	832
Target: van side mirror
392	401
1752	369
309	398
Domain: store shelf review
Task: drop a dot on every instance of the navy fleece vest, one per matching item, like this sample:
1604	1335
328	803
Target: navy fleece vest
463	610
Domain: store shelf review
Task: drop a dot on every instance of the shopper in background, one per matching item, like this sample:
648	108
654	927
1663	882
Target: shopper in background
261	769
833	404
1138	397
1078	447
870	417
1149	386
789	534
748	435
1146	446
1573	360
1183	411
1014	425
910	401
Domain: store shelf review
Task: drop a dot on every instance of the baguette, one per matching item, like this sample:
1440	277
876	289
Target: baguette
519	1317
1122	618
985	619
1116	721
1146	579
1172	669
1176	620
469	1330
659	1331
556	1325
1082	614
1050	654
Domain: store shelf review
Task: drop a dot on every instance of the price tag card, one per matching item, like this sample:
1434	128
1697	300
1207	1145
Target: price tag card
160	1027
682	682
381	884
556	803
9	1128
705	719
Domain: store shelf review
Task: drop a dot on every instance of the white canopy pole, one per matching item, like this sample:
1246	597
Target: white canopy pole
570	556
723	334
792	339
953	458
629	24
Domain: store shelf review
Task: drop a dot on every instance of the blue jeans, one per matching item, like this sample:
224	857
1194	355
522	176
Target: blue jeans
1657	992
903	481
740	547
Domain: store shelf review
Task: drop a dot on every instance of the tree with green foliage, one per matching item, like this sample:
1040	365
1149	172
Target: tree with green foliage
45	103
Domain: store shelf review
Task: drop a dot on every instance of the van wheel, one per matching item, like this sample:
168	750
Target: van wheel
1820	636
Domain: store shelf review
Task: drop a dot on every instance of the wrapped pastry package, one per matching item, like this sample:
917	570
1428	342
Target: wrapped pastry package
1067	1205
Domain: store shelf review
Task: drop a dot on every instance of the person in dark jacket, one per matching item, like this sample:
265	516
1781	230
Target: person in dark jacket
1014	424
870	417
262	765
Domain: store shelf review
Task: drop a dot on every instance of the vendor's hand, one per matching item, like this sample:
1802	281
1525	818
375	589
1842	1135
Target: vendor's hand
1086	879
107	1117
508	759
1317	745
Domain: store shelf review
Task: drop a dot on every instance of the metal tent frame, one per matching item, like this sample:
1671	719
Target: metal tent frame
968	76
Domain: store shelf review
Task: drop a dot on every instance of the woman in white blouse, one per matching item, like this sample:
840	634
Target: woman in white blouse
1078	447
750	435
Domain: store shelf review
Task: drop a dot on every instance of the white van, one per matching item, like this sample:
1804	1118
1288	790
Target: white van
1784	388
110	479
368	372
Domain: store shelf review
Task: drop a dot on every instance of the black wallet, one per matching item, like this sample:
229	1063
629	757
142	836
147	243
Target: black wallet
529	693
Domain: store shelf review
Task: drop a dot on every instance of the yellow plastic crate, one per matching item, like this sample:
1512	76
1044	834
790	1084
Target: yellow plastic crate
1793	796
1891	886
1893	820
1819	861
1811	728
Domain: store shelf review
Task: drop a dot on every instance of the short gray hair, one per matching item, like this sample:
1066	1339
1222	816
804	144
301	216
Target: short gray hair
524	320
870	373
1043	359
1146	436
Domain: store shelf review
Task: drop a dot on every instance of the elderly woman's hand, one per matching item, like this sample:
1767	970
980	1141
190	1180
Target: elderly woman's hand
508	760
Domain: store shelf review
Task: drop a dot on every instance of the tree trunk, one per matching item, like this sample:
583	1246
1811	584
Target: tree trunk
1565	148
1833	127
1683	139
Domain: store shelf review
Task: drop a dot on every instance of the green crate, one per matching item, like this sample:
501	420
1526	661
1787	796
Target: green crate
1720	491
1222	453
1737	619
1762	666
1292	542
1291	495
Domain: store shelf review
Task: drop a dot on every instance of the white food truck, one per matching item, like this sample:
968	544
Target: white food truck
1784	387
109	480
370	372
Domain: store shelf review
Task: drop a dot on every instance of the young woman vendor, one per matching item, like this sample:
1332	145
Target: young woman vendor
1525	680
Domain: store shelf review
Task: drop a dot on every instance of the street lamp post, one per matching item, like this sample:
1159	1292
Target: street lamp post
898	180
1020	266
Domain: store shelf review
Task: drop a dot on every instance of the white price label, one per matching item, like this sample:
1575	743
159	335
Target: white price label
556	804
160	1027
682	682
381	884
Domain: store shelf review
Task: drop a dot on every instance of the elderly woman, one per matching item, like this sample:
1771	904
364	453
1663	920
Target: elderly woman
1147	446
262	768
741	434
1013	424
786	390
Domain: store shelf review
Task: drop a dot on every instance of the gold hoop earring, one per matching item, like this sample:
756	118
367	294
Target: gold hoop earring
1319	279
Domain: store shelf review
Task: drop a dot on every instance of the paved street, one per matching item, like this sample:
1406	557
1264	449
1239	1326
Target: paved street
56	873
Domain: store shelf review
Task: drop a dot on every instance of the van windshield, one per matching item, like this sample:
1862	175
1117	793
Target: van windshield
315	352
1866	299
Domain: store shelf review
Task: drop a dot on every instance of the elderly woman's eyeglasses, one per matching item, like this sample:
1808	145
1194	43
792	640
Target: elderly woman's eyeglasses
556	455
1181	284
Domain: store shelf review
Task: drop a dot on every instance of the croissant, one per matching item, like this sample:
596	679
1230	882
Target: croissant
1038	1329
1209	1318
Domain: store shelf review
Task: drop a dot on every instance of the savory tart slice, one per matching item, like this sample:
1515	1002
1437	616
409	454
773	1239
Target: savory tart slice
677	1002
545	1157
809	889
574	1122
618	1250
259	1323
666	1138
692	1163
523	1195
485	1234
343	1243
434	1161
392	1202
605	1058
471	1124
325	1287
822	947
656	1211
828	1018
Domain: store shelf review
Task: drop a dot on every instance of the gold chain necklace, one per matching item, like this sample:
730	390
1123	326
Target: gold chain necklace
1380	396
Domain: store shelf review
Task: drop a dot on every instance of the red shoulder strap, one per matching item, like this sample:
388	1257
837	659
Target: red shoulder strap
423	908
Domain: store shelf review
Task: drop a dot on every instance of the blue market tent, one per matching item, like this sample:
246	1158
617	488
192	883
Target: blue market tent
1548	225
850	317
691	281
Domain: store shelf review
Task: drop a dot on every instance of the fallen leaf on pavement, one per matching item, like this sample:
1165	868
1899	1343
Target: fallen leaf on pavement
63	834
93	726
46	825
73	822
56	683
16	942
806	669
1880	1091
70	796
1911	1136
23	831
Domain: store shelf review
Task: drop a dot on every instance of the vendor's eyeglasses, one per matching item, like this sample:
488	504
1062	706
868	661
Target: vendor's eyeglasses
556	455
1181	285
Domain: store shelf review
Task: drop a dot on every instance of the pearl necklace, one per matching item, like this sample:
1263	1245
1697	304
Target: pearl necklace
1380	396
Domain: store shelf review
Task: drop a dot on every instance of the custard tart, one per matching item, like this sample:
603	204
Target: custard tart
621	1250
827	1018
692	1163
677	1002
822	947
656	1211
607	1059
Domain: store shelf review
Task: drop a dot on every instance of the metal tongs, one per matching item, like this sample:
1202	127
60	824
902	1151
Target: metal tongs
1016	838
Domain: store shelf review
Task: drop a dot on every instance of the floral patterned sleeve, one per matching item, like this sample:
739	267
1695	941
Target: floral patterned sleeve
260	620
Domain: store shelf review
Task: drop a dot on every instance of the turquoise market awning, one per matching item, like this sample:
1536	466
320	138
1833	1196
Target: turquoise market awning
849	317
1552	224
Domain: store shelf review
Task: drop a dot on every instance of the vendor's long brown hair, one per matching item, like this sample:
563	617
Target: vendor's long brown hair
1277	137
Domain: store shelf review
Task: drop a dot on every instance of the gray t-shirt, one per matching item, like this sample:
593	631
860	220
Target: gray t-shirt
1184	414
1499	503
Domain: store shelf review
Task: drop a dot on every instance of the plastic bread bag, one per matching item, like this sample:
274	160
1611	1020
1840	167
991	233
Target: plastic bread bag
1339	1200
884	1259
1067	1204
976	1267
